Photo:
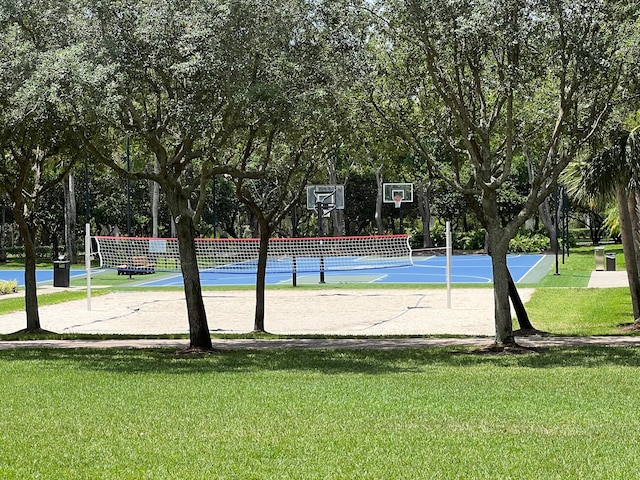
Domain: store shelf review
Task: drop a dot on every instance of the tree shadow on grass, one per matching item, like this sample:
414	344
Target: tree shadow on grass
329	362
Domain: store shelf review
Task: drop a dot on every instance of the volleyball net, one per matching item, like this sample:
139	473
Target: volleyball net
240	255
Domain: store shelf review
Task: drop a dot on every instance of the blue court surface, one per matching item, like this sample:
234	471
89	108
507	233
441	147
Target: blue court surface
464	269
43	277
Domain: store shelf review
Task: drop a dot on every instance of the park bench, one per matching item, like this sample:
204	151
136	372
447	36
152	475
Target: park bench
139	265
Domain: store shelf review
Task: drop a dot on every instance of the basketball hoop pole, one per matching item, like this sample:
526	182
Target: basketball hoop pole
398	202
323	199
320	211
320	208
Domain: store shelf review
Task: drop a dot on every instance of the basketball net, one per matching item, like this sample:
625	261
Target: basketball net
397	200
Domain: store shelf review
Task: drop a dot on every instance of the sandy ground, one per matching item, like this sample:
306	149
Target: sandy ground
329	312
338	311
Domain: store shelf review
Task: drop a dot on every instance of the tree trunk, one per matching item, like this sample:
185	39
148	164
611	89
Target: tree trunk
518	306
544	211
337	216
70	209
512	290
626	232
424	208
379	220
199	336
174	232
502	310
634	212
30	260
154	189
3	225
258	323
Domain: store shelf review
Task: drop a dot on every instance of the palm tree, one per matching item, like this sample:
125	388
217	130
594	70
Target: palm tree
610	174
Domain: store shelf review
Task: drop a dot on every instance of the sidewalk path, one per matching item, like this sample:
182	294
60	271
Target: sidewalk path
603	279
328	343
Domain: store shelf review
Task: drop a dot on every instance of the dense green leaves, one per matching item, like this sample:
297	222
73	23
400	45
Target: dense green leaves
492	98
494	82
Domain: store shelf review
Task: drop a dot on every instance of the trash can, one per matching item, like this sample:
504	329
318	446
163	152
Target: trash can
611	262
61	273
599	258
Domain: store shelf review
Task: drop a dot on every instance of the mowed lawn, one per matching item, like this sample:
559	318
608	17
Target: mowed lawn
290	414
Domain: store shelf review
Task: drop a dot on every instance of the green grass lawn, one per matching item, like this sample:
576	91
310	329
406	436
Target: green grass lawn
287	414
563	306
578	266
581	311
435	413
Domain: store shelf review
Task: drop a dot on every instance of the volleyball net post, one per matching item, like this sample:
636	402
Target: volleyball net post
87	261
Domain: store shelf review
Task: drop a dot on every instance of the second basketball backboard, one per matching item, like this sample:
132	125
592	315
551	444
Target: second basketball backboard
397	193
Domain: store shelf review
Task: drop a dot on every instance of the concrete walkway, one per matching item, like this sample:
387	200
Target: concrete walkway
327	343
603	279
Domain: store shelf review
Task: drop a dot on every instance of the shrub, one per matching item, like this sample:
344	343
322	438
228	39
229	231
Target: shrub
529	242
437	236
10	286
525	242
471	240
580	234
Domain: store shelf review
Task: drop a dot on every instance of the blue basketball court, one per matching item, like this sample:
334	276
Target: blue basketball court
464	269
43	277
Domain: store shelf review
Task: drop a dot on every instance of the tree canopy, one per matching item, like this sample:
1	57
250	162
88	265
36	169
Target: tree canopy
481	100
489	80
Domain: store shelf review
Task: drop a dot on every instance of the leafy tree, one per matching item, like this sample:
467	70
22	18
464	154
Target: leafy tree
185	75
35	121
270	199
108	202
608	171
300	125
485	77
192	82
360	204
220	208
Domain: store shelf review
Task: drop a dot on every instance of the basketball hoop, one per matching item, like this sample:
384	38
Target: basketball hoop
327	208
397	200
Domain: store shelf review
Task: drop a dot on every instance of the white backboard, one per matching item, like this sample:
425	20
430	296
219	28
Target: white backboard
332	195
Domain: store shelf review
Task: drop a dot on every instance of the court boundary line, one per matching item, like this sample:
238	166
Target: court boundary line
539	270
